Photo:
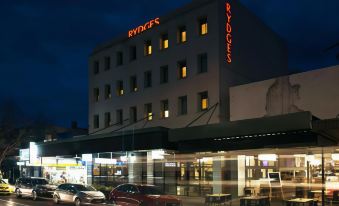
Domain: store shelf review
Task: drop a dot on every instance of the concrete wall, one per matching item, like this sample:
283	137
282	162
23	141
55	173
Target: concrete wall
315	91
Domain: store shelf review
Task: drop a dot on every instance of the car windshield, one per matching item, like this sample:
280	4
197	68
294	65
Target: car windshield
83	188
150	190
39	182
2	182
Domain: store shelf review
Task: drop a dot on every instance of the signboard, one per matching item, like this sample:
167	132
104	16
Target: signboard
105	161
142	28
24	154
228	30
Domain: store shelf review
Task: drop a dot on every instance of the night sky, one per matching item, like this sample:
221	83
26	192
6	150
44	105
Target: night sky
45	44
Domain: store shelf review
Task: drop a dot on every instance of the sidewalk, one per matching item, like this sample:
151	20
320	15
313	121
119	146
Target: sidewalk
192	201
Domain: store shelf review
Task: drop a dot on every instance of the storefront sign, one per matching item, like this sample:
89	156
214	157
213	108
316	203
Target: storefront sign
21	163
87	157
158	154
228	33
142	28
170	164
24	154
33	154
105	161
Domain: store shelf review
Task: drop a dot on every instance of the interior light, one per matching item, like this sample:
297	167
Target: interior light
335	156
267	157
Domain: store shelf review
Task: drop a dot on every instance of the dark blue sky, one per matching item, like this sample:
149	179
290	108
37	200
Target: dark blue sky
45	44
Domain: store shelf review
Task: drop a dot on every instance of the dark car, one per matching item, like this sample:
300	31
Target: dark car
142	195
34	187
78	194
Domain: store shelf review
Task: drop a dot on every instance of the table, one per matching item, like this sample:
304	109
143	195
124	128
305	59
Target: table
255	201
218	199
300	201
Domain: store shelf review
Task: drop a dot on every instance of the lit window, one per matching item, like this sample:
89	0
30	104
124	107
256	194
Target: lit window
108	94
96	94
203	98
182	35
164	41
148	112
148	48
133	84
164	109
182	70
120	88
203	26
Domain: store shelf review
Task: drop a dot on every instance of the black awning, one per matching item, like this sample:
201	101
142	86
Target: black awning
142	139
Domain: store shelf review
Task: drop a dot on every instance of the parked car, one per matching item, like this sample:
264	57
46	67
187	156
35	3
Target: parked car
78	194
4	188
34	187
142	195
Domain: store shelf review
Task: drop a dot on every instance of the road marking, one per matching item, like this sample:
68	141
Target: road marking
13	202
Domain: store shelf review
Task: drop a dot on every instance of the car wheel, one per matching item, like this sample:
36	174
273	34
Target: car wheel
77	202
34	195
17	193
55	199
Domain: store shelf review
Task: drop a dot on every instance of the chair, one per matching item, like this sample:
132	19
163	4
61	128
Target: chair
299	192
335	198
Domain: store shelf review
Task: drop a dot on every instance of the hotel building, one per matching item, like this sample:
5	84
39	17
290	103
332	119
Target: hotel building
199	102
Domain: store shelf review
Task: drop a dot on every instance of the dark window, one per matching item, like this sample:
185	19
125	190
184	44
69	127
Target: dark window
131	189
164	113
182	35
107	119
182	67
133	114
119	116
120	88
148	79
163	74
150	190
203	26
148	112
96	94
132	53
203	101
164	41
96	67
108	93
148	48
96	121
39	181
133	84
202	63
107	63
120	58
63	187
122	188
182	109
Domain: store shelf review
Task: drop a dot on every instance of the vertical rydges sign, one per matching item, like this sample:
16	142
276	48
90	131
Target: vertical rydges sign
144	27
228	29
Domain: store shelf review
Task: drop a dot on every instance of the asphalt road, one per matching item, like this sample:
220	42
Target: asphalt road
11	200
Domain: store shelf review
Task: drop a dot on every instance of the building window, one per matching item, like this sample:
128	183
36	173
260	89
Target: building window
96	121
148	112
182	106
182	35
96	94
133	114
120	58
163	74
202	63
203	101
108	94
119	116
133	84
164	113
148	79
182	70
120	88
96	67
107	119
164	41
107	63
203	26
148	48
132	53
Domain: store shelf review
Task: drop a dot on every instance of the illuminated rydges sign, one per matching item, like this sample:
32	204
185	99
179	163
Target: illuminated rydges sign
228	33
142	28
